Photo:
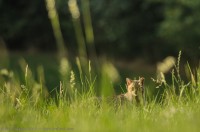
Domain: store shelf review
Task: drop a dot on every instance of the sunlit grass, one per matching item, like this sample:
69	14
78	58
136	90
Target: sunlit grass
78	106
80	101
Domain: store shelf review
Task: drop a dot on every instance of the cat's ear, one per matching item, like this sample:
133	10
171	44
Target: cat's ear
129	85
141	79
128	81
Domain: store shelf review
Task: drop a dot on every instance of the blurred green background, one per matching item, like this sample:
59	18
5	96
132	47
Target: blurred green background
134	33
151	29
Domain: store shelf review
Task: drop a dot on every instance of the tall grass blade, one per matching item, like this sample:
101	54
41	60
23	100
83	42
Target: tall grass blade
74	10
87	22
53	16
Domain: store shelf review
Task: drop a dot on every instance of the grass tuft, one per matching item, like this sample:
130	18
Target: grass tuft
26	105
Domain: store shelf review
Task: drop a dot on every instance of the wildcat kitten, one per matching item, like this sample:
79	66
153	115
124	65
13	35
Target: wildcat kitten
135	91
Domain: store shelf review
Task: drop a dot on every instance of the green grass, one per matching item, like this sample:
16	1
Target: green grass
26	105
85	116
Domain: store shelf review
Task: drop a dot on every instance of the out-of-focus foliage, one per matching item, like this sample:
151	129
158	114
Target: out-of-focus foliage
181	26
25	24
149	28
127	27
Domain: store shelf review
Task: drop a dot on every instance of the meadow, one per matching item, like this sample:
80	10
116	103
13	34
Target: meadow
27	104
64	94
